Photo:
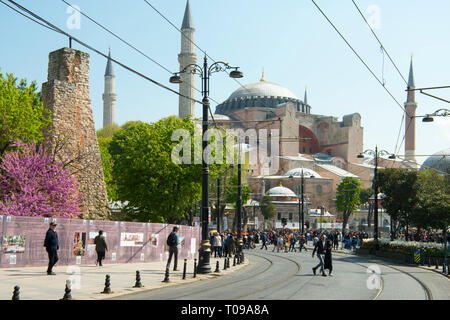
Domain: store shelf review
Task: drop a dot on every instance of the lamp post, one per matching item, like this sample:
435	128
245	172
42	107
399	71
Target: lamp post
205	72
437	113
376	154
301	204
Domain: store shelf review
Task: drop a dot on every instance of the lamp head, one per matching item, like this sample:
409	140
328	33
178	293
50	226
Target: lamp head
175	79
360	156
236	74
427	118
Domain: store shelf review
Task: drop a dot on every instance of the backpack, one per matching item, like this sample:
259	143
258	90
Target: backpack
171	240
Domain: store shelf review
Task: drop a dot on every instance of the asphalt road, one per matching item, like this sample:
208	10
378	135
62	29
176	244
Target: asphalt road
288	276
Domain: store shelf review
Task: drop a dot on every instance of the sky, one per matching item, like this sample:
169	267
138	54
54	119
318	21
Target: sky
290	39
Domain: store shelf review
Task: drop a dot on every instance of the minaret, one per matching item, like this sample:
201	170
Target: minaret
109	96
410	120
187	56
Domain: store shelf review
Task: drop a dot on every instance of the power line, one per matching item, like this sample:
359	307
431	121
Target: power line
382	47
359	57
27	16
58	30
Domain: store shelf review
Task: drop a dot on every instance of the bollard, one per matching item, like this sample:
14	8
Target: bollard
437	263
242	257
16	293
68	291
234	260
107	288
228	262
225	264
195	268
138	283
184	269
217	267
429	262
166	278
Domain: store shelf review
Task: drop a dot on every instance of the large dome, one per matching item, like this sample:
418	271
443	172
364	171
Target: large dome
439	161
260	94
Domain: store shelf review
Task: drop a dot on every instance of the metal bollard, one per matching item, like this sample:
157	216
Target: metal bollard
217	267
234	260
184	269
138	283
68	291
166	277
107	288
228	262
16	293
437	263
195	268
225	264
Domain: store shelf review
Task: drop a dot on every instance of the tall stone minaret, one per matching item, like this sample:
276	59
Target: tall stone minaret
410	121
109	96
187	56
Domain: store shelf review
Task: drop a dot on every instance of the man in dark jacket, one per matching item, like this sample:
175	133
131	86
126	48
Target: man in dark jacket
172	242
320	248
100	247
51	245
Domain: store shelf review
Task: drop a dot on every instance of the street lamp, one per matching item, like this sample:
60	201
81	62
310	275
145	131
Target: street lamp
376	154
301	205
437	113
204	73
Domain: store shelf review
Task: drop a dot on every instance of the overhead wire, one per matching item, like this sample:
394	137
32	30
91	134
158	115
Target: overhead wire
58	30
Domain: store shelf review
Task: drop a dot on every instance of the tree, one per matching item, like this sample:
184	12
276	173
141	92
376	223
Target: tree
33	184
347	198
267	208
22	114
432	209
400	195
156	188
364	197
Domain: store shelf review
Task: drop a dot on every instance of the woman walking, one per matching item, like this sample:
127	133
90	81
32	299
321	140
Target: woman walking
328	263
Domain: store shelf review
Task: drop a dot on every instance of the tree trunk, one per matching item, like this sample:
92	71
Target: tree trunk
369	216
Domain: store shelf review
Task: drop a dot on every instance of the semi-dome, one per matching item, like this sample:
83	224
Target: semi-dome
307	173
439	161
261	94
281	192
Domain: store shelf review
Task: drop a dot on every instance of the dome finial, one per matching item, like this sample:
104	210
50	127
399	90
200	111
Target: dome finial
262	78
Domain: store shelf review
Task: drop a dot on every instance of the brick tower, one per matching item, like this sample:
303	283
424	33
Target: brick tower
66	96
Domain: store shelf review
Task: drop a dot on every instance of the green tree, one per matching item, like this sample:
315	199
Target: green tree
22	113
267	208
347	198
156	188
400	195
231	197
432	209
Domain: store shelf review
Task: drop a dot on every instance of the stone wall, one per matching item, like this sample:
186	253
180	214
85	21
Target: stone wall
66	95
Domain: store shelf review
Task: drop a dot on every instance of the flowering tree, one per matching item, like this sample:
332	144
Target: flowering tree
32	183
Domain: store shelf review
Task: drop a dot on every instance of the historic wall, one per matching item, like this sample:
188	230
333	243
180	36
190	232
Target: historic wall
66	95
22	241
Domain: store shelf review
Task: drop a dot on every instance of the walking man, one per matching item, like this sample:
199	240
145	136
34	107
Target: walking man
264	240
100	247
51	245
320	249
172	242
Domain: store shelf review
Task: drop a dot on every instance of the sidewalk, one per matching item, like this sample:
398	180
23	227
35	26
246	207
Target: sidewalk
88	281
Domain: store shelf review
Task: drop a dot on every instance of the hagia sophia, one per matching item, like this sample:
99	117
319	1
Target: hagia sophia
320	148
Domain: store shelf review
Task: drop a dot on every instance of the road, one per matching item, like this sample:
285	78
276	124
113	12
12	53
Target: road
288	276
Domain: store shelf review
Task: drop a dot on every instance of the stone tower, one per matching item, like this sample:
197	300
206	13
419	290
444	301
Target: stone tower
66	96
410	121
109	95
187	56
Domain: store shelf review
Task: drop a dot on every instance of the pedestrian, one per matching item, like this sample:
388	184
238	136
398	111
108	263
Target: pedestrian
335	241
280	243
320	249
217	245
292	243
264	240
302	244
327	263
172	242
51	245
100	247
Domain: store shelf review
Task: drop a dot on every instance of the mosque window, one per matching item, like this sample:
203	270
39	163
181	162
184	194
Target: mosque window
310	150
279	216
304	150
290	216
319	190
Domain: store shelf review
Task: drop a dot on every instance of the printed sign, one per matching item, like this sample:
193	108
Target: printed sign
13	244
131	239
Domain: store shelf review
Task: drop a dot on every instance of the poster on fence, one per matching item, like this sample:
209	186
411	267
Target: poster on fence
131	239
13	244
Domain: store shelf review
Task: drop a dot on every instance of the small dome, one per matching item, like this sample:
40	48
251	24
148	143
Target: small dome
297	172
281	192
439	161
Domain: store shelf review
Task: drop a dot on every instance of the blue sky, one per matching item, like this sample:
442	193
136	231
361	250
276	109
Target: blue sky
290	39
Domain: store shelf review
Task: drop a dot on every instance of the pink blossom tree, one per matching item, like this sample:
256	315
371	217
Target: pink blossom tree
33	183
